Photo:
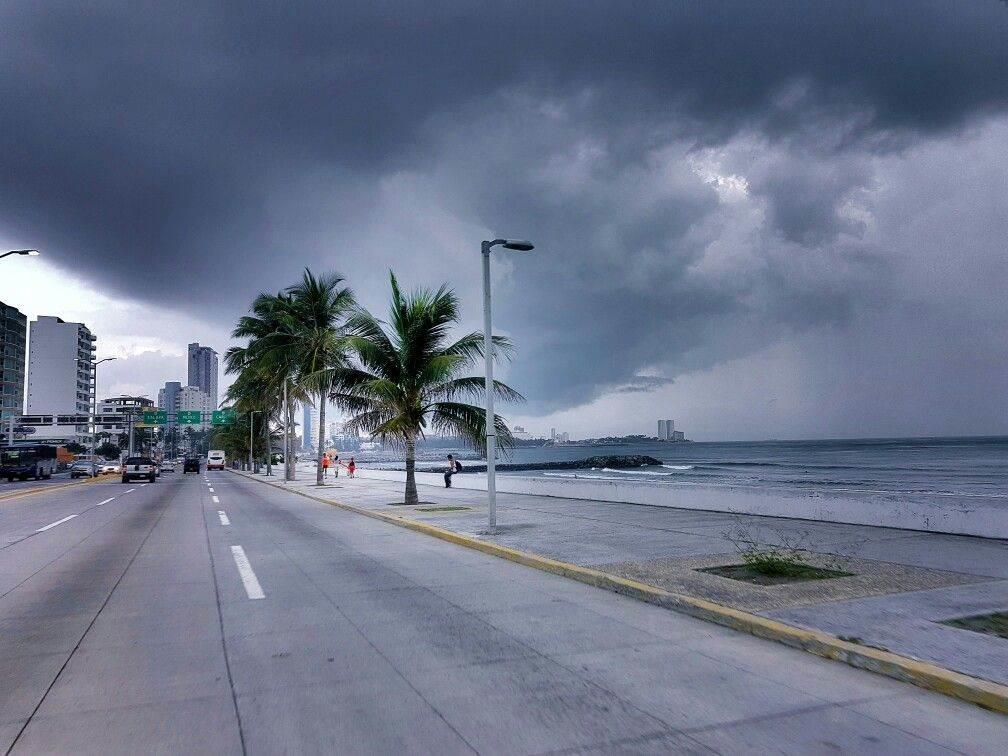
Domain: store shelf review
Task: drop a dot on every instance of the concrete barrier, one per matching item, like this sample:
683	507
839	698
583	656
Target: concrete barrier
932	513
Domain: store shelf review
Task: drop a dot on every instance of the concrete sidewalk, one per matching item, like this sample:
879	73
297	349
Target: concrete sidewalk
906	583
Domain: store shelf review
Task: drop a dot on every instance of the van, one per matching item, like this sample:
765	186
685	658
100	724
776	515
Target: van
215	460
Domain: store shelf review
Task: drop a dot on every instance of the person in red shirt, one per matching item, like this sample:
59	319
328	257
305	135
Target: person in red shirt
351	466
325	465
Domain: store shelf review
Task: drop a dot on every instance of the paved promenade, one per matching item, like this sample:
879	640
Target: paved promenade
215	614
907	584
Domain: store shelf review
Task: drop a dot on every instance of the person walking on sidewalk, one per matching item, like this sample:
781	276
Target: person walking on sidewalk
351	466
454	466
325	465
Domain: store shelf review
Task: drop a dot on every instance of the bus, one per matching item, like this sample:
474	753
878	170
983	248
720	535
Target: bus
36	461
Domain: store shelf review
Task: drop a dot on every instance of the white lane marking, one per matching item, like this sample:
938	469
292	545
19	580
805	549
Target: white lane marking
130	490
215	500
142	485
54	524
104	502
223	517
252	587
211	489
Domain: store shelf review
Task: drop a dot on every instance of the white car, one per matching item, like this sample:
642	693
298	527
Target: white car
139	467
109	467
168	466
215	460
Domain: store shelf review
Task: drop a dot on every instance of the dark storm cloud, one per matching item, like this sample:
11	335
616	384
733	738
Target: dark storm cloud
196	154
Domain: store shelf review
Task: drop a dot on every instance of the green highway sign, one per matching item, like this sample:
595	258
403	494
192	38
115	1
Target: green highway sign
222	417
189	417
155	418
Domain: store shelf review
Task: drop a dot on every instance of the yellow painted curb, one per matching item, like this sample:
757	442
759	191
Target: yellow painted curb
983	693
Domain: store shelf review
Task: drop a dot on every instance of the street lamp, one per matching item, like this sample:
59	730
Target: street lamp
517	245
94	399
28	252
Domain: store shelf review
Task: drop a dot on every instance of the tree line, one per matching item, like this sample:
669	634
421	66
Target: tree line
396	378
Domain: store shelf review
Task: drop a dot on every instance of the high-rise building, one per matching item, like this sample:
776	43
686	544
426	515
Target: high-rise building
168	401
203	370
309	427
191	398
665	429
59	374
13	333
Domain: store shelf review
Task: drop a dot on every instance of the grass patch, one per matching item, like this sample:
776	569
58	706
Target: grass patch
989	624
774	572
443	509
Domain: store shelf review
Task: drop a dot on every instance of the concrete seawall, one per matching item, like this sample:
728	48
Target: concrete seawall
934	513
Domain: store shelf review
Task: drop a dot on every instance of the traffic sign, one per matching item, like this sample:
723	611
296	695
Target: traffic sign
155	418
222	417
189	417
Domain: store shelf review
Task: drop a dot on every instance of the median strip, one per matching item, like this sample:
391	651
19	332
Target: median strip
54	524
248	576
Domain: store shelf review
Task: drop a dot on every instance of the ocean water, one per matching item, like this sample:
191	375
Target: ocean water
952	467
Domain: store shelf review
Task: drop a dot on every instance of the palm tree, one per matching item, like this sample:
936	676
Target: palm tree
268	360
318	342
409	376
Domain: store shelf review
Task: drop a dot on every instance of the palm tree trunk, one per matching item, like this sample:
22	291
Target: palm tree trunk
321	438
266	439
288	462
411	492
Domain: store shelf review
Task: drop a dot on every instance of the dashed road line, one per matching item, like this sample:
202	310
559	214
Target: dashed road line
54	524
131	490
223	517
216	500
105	502
248	576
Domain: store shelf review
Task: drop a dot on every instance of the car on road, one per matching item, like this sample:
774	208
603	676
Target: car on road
109	467
139	467
36	461
84	469
215	460
168	466
191	464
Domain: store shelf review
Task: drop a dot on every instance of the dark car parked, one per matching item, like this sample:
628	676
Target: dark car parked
191	465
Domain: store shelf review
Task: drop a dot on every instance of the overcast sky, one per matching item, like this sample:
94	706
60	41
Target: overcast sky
762	219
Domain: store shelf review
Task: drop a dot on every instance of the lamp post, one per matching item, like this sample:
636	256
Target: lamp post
27	252
517	245
94	397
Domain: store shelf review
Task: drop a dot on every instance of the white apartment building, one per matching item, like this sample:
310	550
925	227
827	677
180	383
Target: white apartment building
123	405
193	398
59	375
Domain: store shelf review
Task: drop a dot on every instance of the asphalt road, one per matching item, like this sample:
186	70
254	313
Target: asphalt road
215	614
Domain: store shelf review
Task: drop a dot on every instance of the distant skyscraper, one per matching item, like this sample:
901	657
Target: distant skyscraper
13	333
168	400
553	434
193	398
203	370
666	429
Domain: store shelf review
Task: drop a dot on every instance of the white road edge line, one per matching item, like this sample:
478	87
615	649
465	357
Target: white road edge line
252	587
223	517
215	500
105	502
54	524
